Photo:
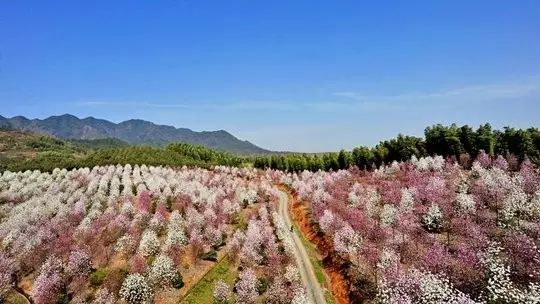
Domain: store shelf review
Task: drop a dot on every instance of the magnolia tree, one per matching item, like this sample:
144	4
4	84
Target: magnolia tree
428	222
7	270
246	287
163	273
222	292
136	289
86	220
50	282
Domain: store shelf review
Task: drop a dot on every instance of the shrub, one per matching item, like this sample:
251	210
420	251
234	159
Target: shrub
210	256
49	284
97	277
262	285
7	269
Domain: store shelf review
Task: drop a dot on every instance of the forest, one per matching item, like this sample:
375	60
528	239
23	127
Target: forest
461	143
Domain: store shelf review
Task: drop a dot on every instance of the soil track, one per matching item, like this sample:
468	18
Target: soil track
307	273
339	284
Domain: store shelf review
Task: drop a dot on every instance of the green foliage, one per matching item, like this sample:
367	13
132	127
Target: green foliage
206	155
95	144
344	159
400	149
45	154
150	260
44	143
178	281
210	256
262	285
202	291
363	157
63	298
97	277
451	141
240	221
26	151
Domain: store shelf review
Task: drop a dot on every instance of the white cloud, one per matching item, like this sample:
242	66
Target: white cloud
472	93
242	105
107	103
355	102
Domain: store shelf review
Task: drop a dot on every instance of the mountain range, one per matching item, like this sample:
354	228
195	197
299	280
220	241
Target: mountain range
133	131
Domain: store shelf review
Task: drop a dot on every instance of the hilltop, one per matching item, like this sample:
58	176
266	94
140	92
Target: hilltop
133	131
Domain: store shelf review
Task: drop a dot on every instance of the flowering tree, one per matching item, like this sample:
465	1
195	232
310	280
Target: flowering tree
327	221
162	272
419	200
79	263
7	270
251	251
433	219
385	223
136	289
149	244
300	297
246	287
103	296
346	240
49	284
222	292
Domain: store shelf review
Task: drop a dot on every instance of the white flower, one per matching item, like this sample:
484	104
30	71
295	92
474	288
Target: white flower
388	258
346	240
135	289
465	203
407	199
124	244
162	271
222	292
149	244
388	215
354	200
326	221
433	219
300	297
291	273
175	231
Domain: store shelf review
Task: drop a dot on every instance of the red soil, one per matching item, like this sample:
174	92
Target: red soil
339	285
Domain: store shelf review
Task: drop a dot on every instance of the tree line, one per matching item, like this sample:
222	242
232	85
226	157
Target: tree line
48	157
460	142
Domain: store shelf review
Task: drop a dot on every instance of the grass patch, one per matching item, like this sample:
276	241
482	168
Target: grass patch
14	297
202	292
97	277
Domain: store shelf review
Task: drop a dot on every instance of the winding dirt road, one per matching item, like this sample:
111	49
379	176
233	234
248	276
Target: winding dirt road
314	291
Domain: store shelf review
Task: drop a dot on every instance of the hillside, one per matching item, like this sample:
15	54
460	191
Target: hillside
20	151
133	131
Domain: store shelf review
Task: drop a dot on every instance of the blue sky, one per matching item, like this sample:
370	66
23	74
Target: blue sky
286	75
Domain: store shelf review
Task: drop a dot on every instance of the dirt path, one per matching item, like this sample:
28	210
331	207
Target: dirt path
314	291
332	264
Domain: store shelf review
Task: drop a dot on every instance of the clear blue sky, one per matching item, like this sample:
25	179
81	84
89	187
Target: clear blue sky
287	75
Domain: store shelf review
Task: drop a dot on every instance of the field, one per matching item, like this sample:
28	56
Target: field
427	231
422	231
142	233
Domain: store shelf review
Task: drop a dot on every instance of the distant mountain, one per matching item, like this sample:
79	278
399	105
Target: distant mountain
133	131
